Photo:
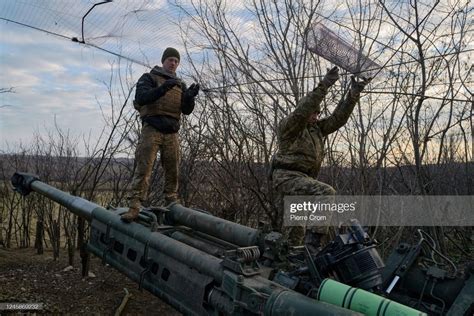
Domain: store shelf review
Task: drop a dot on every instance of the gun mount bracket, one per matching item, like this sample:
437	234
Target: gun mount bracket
158	213
110	242
243	260
147	262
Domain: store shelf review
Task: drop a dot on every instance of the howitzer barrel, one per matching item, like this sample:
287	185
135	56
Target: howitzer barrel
203	262
226	230
24	183
214	226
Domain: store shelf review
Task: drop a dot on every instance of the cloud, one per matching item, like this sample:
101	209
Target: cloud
52	79
58	79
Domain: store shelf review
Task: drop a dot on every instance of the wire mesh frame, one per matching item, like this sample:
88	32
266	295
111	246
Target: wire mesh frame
327	44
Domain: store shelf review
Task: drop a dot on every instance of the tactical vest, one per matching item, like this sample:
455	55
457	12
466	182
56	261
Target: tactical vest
169	104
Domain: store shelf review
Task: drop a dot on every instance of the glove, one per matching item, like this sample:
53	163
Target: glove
169	84
331	77
358	86
192	91
166	86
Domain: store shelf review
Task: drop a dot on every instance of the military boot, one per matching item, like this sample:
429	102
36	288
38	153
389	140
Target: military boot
131	215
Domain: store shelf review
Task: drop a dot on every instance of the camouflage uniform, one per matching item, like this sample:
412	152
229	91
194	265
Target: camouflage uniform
301	151
150	141
160	117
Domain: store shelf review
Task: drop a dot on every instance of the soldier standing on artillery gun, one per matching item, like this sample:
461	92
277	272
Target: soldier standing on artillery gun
301	148
160	98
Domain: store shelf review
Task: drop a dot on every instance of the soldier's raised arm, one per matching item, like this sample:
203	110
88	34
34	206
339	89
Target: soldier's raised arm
341	113
309	104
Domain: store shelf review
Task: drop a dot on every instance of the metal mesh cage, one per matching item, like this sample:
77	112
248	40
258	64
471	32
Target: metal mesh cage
327	44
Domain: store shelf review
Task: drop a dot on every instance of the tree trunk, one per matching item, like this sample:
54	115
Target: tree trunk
39	237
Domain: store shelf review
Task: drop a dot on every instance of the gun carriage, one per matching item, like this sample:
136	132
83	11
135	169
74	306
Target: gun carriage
204	265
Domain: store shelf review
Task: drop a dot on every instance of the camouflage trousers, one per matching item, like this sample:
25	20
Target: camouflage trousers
151	140
288	183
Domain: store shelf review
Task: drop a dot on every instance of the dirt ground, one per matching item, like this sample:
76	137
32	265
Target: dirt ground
26	277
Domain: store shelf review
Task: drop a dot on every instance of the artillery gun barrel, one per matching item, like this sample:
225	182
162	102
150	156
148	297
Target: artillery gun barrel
226	230
207	264
24	183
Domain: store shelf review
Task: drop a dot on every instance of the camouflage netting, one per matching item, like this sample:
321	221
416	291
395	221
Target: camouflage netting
133	29
327	44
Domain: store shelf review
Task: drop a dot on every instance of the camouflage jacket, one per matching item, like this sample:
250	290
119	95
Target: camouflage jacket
301	145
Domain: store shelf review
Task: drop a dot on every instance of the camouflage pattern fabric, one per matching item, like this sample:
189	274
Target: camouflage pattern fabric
301	145
289	183
151	140
301	151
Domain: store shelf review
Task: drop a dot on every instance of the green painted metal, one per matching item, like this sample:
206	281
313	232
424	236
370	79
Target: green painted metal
226	230
465	299
204	265
286	303
362	301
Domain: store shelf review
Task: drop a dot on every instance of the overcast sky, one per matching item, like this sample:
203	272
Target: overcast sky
54	78
50	78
